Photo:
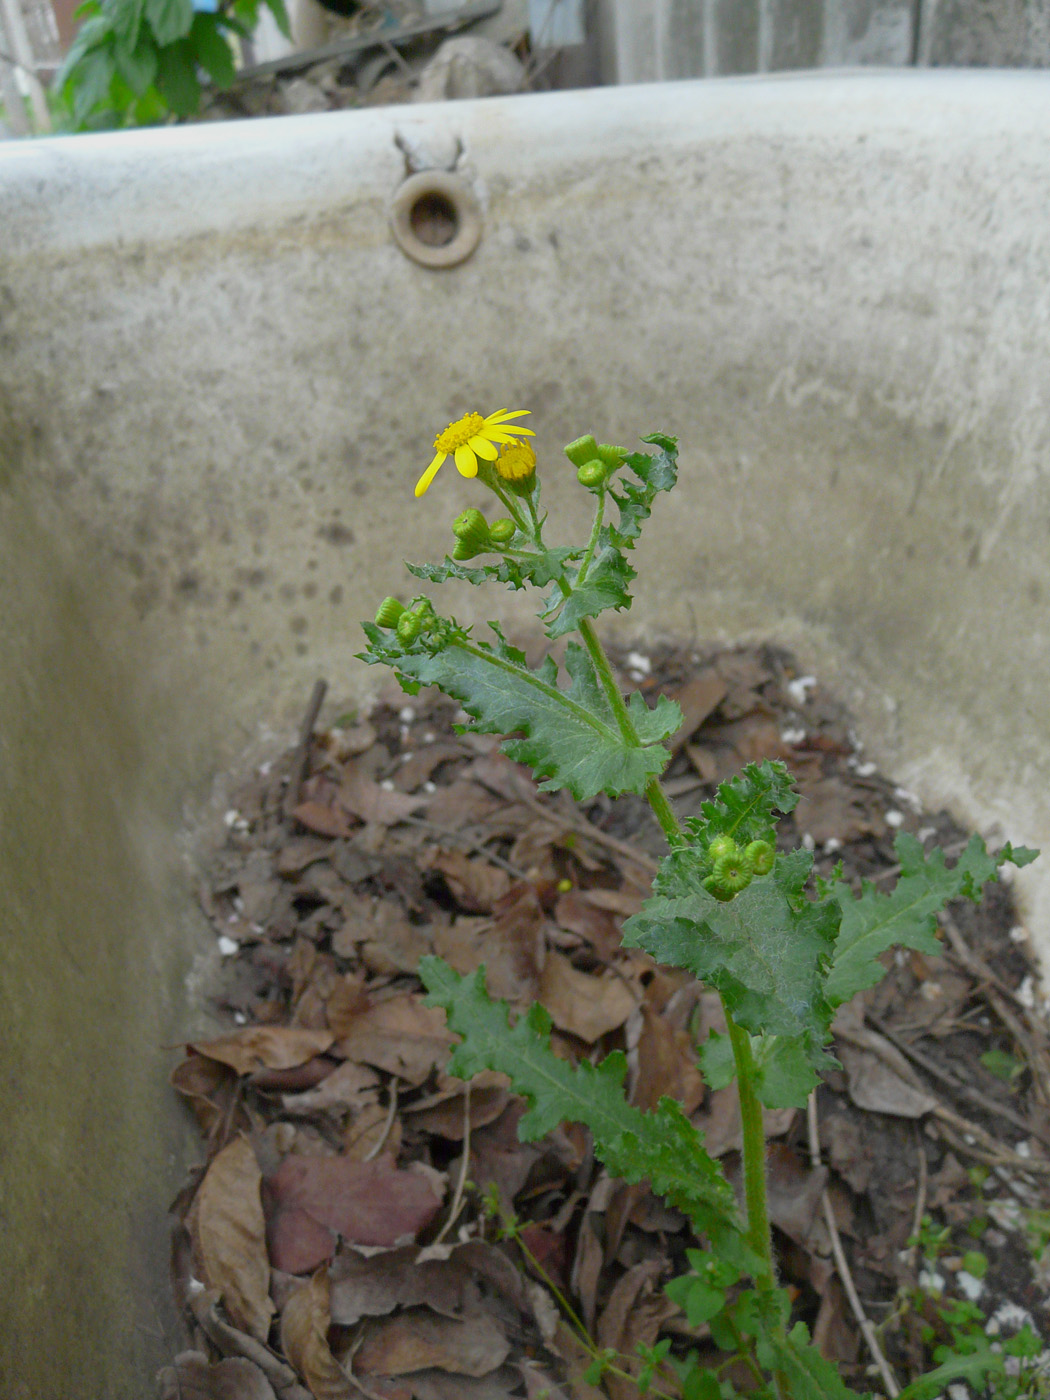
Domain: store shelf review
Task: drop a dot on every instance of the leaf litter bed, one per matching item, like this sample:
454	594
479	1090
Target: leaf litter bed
363	1224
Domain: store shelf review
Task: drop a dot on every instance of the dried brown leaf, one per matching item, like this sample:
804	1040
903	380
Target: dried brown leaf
363	796
230	1232
475	884
304	1340
192	1376
322	819
583	1005
401	1035
699	697
350	1087
265	1047
368	1203
418	1338
375	1284
666	1065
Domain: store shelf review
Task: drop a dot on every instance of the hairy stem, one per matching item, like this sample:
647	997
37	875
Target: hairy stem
758	1233
592	543
754	1139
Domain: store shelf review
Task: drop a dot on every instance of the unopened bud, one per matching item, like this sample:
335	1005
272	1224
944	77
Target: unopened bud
471	528
611	455
388	612
584	449
502	531
409	626
591	474
760	855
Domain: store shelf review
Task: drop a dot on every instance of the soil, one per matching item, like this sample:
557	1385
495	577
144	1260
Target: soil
347	1233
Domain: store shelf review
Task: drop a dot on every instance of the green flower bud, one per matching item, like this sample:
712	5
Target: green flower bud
584	449
713	887
732	873
592	475
722	846
461	550
760	856
502	531
388	612
471	528
611	455
409	626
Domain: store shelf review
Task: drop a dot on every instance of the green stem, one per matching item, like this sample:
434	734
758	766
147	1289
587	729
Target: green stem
606	678
599	515
513	511
754	1139
754	1142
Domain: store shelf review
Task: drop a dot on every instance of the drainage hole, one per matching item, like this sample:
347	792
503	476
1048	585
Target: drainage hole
434	219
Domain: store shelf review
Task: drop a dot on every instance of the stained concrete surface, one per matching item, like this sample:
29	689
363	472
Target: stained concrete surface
221	379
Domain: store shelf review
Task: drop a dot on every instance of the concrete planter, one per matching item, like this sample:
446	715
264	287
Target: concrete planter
221	376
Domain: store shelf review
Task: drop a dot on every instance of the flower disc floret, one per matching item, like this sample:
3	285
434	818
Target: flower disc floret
469	438
516	461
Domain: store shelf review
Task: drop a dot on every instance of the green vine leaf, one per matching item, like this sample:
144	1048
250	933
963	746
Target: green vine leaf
606	581
571	736
906	916
661	1147
763	950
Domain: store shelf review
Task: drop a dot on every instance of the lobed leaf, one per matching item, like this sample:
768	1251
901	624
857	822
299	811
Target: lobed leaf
605	583
661	1147
765	951
745	806
571	736
537	569
906	916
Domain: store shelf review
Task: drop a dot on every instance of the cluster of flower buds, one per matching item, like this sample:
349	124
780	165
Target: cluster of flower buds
474	535
594	462
408	623
733	869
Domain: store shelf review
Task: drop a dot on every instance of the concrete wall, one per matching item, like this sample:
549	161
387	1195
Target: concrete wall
646	40
221	379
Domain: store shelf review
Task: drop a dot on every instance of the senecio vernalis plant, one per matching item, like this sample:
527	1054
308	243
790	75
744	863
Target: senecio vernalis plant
782	950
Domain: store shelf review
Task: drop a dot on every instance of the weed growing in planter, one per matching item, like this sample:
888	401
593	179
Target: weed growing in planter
783	951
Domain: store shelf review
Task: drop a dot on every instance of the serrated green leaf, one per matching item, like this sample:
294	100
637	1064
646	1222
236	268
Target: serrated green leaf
699	1300
177	77
661	1147
974	1370
809	1375
538	569
571	737
656	473
605	586
745	806
213	50
906	916
716	1061
785	1076
766	955
170	20
605	583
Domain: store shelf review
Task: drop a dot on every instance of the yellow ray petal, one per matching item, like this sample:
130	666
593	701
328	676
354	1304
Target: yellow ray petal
430	473
483	447
466	462
501	416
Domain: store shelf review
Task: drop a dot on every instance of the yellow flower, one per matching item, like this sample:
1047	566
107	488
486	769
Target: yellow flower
469	438
516	461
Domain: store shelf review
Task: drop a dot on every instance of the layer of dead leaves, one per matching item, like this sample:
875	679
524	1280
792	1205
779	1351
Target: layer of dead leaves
335	1244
